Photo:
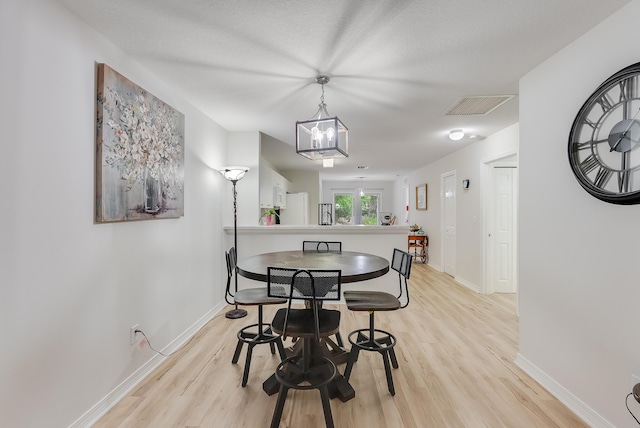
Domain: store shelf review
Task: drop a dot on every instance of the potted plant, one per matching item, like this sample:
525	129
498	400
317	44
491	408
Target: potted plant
269	217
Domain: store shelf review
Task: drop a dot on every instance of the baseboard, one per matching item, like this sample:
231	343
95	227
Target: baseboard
112	398
470	285
584	412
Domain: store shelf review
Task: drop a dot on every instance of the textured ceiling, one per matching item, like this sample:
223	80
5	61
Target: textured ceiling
396	66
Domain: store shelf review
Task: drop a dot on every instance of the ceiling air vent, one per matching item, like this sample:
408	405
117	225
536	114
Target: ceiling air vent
481	105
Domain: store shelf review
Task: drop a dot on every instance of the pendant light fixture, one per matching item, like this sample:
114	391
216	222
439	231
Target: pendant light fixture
323	136
456	134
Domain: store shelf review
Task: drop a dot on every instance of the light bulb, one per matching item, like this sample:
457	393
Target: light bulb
316	137
330	135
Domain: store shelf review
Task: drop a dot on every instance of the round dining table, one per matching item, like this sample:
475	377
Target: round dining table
355	266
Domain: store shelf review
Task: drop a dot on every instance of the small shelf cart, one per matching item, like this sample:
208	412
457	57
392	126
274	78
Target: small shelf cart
417	246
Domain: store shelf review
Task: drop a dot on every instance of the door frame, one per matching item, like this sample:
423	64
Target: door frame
487	167
443	256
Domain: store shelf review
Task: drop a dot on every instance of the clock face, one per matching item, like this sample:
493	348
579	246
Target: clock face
604	143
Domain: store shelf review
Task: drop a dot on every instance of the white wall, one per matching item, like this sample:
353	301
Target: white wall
306	181
70	289
467	163
579	287
244	150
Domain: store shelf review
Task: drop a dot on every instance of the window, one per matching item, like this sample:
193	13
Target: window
348	212
343	204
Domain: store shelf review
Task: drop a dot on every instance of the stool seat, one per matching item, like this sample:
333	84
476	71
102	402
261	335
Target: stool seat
371	301
256	296
300	322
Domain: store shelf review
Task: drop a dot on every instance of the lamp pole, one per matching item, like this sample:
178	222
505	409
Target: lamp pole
235	174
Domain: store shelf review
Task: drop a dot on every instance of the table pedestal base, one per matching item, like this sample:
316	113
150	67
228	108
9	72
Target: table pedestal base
339	387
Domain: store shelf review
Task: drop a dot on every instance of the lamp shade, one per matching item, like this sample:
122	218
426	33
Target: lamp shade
233	173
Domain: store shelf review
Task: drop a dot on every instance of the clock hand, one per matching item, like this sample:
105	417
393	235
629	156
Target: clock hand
624	133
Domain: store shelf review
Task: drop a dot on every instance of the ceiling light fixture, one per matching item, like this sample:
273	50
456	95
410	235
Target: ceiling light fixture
456	134
323	136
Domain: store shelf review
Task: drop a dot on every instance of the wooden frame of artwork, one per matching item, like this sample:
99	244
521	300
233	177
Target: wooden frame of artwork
139	152
421	197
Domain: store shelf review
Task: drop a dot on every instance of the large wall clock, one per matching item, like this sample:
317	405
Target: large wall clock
604	142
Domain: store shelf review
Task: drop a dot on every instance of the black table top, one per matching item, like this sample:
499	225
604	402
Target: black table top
355	266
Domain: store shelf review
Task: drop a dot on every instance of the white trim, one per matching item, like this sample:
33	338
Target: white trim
470	285
92	415
581	409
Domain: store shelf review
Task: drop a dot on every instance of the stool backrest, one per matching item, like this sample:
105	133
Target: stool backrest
230	257
312	285
401	263
322	246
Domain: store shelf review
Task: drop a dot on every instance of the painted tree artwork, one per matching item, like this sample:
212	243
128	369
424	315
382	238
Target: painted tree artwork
139	153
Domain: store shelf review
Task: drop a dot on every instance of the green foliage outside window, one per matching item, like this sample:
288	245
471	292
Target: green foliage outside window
344	209
369	208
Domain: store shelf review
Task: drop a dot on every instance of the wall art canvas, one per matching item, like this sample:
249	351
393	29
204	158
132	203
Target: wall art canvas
421	197
139	153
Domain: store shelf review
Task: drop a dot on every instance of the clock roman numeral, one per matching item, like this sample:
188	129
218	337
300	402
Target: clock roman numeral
623	181
581	146
627	88
602	177
588	164
577	146
605	102
623	174
590	123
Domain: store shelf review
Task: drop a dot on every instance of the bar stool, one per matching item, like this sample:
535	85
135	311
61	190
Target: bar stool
253	334
371	338
309	369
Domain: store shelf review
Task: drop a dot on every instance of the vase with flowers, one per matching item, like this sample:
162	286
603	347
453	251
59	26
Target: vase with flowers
269	217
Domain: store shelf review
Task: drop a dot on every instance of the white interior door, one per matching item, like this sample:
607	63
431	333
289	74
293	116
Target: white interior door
449	222
502	228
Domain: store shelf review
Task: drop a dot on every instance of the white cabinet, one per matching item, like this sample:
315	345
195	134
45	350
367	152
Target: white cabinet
273	188
266	187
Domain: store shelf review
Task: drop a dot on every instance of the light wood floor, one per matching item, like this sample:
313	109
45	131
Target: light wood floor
455	349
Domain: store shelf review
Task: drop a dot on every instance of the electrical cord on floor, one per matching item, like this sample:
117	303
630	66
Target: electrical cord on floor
180	348
626	402
160	352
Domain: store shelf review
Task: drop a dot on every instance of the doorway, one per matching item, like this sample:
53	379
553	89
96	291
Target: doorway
501	235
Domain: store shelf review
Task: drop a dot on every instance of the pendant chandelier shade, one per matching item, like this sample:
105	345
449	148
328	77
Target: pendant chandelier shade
323	136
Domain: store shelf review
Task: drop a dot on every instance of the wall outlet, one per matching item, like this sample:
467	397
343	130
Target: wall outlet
132	333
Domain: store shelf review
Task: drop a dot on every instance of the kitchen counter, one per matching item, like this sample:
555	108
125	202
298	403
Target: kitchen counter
317	229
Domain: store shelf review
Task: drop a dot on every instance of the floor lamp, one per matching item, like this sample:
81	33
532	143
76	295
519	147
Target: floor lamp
235	174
